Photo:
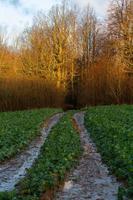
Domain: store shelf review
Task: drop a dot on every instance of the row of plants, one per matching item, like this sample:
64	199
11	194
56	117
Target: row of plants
58	155
111	128
17	129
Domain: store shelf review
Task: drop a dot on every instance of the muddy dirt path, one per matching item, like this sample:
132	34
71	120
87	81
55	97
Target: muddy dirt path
15	169
90	180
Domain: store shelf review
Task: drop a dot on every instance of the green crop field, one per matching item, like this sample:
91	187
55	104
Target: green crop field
17	129
58	155
111	128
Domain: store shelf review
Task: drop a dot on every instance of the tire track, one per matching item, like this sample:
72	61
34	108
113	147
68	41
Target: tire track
14	170
91	179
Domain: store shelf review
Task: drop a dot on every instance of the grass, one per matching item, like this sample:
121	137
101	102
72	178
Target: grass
111	128
17	129
58	155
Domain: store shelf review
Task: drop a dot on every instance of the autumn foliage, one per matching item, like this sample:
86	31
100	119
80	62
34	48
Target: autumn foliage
69	57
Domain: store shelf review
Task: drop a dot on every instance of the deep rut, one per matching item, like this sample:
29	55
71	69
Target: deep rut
15	169
90	180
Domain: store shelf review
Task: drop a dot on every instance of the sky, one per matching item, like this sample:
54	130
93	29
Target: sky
16	14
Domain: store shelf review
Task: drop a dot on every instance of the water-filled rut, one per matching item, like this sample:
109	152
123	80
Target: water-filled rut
14	170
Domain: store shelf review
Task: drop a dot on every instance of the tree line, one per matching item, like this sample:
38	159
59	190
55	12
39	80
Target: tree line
69	57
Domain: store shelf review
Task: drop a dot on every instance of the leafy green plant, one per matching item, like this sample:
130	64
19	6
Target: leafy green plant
17	129
58	155
111	128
